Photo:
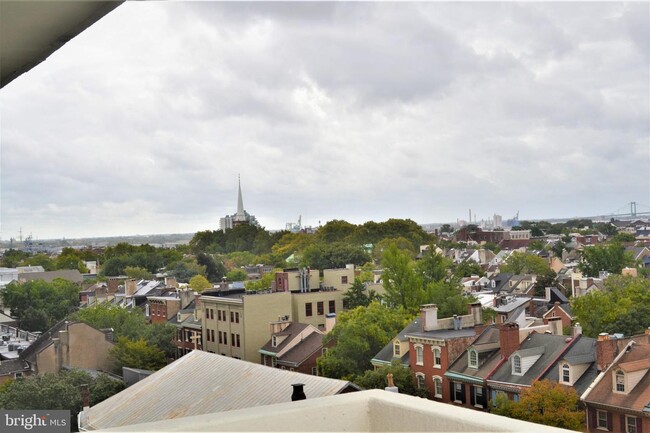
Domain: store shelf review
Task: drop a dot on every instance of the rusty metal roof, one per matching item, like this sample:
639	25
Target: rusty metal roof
202	383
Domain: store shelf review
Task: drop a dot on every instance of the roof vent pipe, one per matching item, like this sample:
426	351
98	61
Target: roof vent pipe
298	392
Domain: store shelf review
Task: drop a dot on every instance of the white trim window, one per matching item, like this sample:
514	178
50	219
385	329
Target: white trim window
397	352
472	358
601	420
419	378
437	359
437	386
630	424
619	381
516	364
566	373
419	354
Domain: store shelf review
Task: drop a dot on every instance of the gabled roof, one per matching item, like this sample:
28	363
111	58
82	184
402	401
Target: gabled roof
489	355
633	356
583	351
204	383
292	331
552	346
299	353
385	355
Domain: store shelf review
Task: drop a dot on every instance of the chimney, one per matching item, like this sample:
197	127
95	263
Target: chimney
429	314
548	294
508	338
555	325
391	385
577	330
298	392
647	331
279	326
85	395
330	322
130	287
605	351
476	310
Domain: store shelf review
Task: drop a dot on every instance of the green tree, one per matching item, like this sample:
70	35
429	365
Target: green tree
125	323
401	243
359	334
356	295
237	275
433	266
12	258
136	354
402	377
199	283
524	263
214	269
185	269
333	255
404	287
468	268
40	260
137	272
547	403
623	307
264	283
57	392
624	237
160	336
69	259
611	258
38	305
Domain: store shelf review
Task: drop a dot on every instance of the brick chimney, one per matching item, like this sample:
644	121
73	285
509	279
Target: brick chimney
130	287
85	395
281	324
476	311
429	314
508	338
605	351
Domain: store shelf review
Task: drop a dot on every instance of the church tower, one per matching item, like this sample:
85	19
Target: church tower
241	217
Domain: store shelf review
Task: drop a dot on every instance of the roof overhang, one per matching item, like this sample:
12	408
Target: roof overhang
32	30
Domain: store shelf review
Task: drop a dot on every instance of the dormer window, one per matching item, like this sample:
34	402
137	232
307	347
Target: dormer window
516	364
620	381
566	373
274	341
397	349
473	358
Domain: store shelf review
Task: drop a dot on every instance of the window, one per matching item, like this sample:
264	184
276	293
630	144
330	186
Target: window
332	306
219	315
225	338
620	381
344	279
236	316
232	316
478	399
566	373
220	338
308	311
419	355
238	340
320	308
274	341
397	349
473	358
232	339
314	371
516	364
420	380
437	386
208	336
436	356
601	420
459	392
212	333
323	351
630	424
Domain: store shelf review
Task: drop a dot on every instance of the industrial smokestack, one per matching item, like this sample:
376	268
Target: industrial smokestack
298	392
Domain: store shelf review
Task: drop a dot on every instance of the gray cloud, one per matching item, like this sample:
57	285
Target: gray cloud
358	111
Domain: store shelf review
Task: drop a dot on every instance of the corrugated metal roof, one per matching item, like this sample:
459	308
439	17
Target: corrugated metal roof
203	383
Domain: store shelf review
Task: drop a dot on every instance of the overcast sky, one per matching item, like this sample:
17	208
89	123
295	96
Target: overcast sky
355	111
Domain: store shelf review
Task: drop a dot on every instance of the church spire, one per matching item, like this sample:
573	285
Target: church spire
241	216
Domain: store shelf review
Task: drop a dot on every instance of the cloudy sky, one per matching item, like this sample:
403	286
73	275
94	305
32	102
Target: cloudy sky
355	111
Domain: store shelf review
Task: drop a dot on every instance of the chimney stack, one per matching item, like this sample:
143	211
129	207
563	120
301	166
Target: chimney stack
555	325
298	392
508	338
429	314
605	351
577	330
476	310
330	322
85	396
391	385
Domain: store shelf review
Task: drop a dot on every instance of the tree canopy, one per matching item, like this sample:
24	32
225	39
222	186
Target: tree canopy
38	305
624	307
359	334
547	403
524	263
611	257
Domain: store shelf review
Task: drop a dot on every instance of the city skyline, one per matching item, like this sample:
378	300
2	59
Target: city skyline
330	111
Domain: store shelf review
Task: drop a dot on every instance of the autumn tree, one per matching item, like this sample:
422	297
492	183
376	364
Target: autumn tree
359	334
199	283
547	403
